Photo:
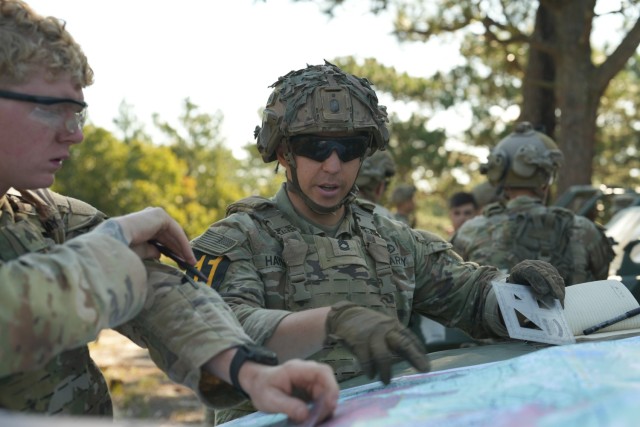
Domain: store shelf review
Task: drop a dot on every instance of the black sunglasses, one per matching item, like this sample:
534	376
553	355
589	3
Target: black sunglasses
43	100
319	148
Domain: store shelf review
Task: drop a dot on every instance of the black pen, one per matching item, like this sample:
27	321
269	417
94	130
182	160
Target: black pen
181	263
616	319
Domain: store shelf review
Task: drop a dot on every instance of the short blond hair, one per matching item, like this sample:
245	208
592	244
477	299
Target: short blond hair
29	41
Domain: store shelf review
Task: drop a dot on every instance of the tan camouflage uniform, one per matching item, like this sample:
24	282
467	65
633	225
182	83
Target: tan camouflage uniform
377	207
526	229
370	260
61	287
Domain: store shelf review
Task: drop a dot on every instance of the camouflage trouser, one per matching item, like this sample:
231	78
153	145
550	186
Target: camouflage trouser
217	417
69	384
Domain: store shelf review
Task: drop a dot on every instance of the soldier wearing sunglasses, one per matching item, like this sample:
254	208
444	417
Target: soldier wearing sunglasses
67	272
313	273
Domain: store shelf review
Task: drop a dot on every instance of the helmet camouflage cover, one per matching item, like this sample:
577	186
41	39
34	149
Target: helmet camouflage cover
320	98
484	194
375	169
402	193
525	159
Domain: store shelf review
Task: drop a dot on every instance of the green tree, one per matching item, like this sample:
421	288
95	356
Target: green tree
420	154
190	174
260	178
197	141
103	171
119	178
617	154
129	124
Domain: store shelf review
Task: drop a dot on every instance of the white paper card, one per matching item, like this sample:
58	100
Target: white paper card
529	318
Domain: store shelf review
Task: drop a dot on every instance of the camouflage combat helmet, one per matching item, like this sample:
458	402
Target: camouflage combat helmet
484	194
402	193
524	159
320	98
375	169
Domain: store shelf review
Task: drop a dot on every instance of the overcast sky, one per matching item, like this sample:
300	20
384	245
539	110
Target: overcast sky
221	54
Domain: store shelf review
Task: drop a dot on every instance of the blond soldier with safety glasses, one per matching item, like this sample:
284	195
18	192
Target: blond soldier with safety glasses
313	272
67	272
57	113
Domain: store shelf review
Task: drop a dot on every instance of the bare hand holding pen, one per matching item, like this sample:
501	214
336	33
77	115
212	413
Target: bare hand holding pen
138	228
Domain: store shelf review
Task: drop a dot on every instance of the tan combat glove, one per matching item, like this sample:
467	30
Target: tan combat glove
541	276
375	339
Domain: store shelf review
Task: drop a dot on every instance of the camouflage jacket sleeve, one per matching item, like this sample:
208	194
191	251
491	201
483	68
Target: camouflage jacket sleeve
184	324
454	292
225	255
60	300
592	251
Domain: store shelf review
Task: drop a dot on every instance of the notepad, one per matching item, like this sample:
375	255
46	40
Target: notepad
588	304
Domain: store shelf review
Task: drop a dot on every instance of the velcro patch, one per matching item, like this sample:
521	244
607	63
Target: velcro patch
215	243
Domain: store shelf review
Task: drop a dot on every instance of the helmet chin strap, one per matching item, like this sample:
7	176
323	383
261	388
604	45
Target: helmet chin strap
293	185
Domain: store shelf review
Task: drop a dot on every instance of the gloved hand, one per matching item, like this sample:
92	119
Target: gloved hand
541	276
375	339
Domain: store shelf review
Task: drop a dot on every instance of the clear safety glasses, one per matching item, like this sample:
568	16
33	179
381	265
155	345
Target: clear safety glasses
52	111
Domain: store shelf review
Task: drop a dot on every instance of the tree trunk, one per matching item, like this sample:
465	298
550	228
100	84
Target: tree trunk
574	91
538	98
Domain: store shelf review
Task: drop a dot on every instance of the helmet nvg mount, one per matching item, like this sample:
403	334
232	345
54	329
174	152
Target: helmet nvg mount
320	98
524	159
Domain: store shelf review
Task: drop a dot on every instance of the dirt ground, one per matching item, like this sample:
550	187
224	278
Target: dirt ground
138	388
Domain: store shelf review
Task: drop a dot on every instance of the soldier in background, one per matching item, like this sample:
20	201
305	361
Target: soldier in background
462	207
522	167
66	272
373	180
404	204
313	273
485	194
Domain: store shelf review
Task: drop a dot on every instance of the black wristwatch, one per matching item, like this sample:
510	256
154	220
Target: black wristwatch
253	353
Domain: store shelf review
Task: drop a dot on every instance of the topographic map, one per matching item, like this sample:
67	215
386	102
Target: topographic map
587	384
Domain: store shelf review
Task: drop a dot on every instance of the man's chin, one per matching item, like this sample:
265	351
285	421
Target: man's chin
328	203
43	181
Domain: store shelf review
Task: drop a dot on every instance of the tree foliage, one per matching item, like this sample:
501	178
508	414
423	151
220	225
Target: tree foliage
190	173
196	139
129	124
618	154
119	178
538	56
421	154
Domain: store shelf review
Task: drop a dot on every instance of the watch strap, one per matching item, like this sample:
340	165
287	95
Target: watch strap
249	353
236	363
